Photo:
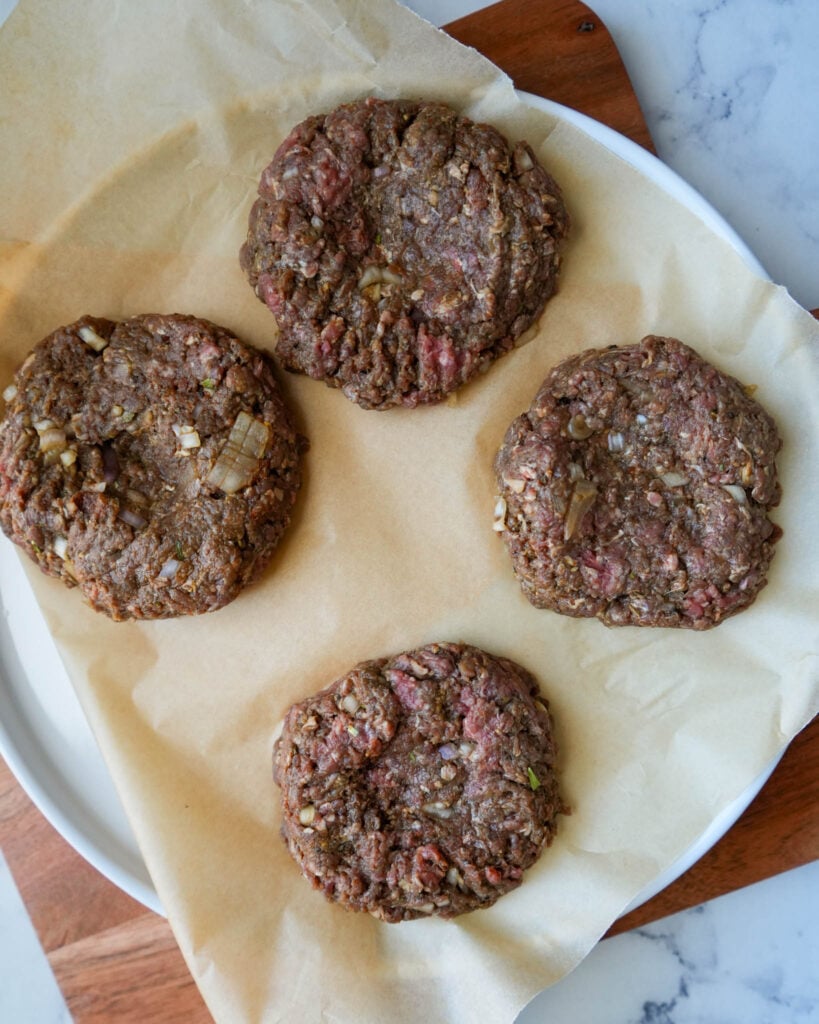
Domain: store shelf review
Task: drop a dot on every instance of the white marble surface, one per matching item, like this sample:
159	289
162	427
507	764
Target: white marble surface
750	957
729	89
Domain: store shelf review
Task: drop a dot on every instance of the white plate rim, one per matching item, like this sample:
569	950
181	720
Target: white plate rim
65	811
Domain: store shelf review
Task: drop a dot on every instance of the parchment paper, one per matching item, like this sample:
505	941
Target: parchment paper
132	138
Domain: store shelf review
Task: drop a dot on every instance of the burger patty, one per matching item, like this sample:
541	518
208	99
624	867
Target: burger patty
152	463
401	248
419	784
637	489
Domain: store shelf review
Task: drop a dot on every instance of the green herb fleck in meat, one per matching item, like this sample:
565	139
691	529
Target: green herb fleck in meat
534	781
208	383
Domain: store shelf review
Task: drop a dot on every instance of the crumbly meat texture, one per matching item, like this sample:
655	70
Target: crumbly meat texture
637	489
419	784
152	463
402	248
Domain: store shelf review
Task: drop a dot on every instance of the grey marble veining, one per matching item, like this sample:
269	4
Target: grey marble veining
729	89
751	957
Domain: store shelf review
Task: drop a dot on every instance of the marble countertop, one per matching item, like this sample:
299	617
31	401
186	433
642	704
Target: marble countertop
746	958
729	90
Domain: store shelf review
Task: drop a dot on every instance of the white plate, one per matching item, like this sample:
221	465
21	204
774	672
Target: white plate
46	740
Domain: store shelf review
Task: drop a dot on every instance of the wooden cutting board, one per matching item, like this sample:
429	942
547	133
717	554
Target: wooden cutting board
561	50
116	962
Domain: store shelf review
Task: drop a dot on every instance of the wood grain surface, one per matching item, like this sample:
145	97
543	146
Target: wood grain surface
559	49
115	961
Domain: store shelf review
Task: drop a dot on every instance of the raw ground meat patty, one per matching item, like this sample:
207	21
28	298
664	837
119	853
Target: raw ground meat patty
637	489
401	248
150	462
420	784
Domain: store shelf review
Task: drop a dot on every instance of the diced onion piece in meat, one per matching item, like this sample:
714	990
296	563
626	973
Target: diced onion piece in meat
68	457
53	440
514	484
499	525
169	569
455	878
582	499
371	275
378	275
641	419
673	479
438	810
98	487
391	277
188	435
578	428
523	162
307	814
10	393
92	339
576	472
350	704
238	460
616	441
191	440
737	493
41	426
60	547
132	518
448	751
